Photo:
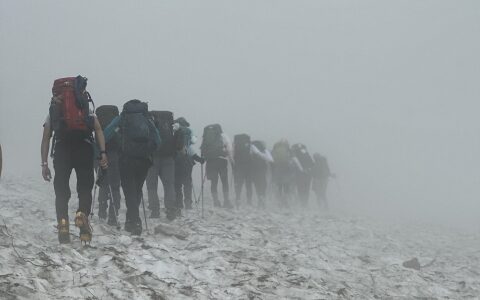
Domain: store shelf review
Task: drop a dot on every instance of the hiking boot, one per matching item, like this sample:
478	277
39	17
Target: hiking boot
63	231
155	214
136	228
171	214
128	226
216	203
102	213
112	218
82	222
178	212
261	204
227	204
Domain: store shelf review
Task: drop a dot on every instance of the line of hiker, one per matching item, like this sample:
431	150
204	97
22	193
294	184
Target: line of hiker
144	145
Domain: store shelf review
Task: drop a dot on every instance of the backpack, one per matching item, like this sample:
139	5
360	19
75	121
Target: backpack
136	130
212	142
300	151
242	144
163	120
69	109
105	115
281	153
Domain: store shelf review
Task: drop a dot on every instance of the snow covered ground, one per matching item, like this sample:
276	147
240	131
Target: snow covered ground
246	254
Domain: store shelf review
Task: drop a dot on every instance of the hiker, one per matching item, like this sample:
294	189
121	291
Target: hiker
260	166
139	139
303	175
321	173
164	167
184	162
244	153
72	123
217	151
110	185
283	171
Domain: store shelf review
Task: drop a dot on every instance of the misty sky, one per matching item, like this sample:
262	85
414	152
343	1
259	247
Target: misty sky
388	90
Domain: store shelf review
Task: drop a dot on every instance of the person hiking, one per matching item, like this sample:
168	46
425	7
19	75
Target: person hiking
283	171
244	153
71	123
217	151
184	162
303	175
321	173
110	185
164	167
259	171
139	139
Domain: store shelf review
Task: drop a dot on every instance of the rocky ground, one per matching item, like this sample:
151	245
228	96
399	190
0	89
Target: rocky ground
245	254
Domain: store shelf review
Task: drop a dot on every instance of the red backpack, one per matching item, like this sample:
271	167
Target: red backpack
69	108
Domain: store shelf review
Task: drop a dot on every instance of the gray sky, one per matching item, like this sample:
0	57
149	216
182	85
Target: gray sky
388	90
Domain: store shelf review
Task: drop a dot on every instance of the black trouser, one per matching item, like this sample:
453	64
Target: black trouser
183	180
259	178
242	175
303	187
218	167
133	172
76	155
320	189
163	167
112	181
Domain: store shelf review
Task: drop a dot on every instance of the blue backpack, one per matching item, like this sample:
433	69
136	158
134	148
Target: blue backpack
136	129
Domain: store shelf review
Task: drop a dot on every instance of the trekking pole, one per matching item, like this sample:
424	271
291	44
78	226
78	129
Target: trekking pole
144	213
203	183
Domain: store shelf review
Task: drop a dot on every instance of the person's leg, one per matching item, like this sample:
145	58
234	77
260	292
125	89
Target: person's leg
223	172
152	185
188	185
63	169
237	183
212	175
129	187
83	164
102	201
140	171
323	192
248	186
261	188
167	176
114	178
179	180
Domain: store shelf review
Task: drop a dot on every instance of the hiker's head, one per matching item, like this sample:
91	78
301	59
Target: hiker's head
182	122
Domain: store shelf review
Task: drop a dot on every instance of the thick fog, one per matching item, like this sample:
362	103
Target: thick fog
388	90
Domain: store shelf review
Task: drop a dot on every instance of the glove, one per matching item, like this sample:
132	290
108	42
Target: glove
199	159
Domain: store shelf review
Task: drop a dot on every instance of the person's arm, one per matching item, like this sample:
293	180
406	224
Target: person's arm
265	156
228	147
156	134
111	130
100	138
44	148
297	164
